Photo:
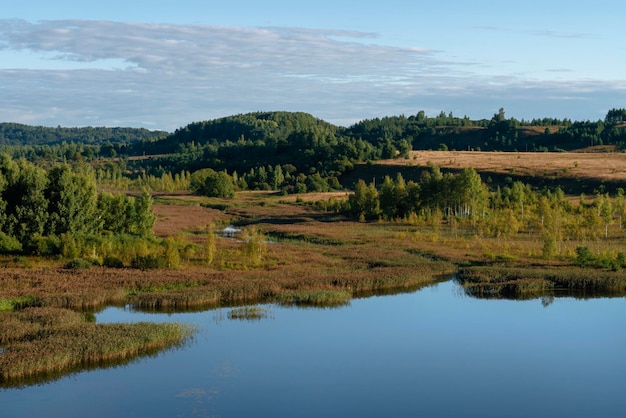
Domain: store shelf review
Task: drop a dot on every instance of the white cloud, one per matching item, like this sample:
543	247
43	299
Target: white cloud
165	76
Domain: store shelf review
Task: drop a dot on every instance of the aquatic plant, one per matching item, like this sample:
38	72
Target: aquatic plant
331	297
42	342
248	313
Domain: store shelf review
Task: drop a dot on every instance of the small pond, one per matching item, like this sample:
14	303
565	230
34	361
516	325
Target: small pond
431	353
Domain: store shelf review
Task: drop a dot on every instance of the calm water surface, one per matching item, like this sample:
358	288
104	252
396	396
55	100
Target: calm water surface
432	353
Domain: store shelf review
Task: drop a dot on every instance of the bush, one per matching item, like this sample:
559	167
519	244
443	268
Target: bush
78	264
147	262
112	262
48	245
584	257
9	244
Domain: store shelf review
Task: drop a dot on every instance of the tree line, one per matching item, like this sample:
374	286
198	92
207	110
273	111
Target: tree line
52	211
463	199
293	151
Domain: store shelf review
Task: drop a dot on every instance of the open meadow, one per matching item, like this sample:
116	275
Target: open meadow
602	166
575	172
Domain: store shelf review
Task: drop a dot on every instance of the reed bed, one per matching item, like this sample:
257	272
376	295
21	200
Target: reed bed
248	313
326	298
41	343
511	281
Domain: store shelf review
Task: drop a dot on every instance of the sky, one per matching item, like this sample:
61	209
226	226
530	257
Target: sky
164	64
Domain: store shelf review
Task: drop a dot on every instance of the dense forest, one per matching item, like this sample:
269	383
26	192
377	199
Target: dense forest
291	151
19	134
60	211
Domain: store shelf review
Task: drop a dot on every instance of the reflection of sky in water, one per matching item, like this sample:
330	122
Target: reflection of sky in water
434	353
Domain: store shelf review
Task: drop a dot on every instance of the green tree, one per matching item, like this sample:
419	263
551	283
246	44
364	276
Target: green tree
172	255
605	211
72	201
550	248
358	200
387	198
208	182
364	203
26	207
142	220
256	248
211	246
401	196
615	116
277	177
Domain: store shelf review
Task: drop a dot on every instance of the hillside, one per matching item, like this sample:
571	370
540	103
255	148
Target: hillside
574	172
16	134
296	152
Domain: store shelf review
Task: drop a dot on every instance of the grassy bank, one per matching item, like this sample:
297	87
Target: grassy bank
499	281
45	308
43	343
313	257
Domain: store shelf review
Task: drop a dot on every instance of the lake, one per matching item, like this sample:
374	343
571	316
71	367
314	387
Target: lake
431	353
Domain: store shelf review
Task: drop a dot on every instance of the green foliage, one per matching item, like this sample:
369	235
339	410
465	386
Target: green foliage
9	244
112	262
78	264
616	116
147	262
23	199
211	247
585	258
48	245
69	246
256	247
208	182
550	248
364	202
454	195
19	134
72	200
171	254
126	214
318	297
142	219
52	212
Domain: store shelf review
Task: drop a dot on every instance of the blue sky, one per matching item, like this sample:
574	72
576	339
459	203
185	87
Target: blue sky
164	64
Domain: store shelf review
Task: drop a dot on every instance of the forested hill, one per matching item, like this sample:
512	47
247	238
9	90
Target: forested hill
15	134
241	142
273	128
496	134
305	144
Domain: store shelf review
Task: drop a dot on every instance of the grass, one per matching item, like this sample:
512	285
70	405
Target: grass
498	281
44	333
248	313
43	343
316	258
578	172
325	298
597	166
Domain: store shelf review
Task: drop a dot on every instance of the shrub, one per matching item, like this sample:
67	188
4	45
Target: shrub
9	244
112	262
78	264
584	256
147	262
48	245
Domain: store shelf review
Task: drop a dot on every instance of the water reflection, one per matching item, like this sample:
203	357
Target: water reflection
435	352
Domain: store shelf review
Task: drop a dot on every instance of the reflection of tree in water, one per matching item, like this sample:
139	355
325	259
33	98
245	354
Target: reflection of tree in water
547	301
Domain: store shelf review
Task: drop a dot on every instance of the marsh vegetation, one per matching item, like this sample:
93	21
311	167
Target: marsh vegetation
78	237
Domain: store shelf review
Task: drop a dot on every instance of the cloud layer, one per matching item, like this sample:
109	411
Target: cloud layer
165	76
